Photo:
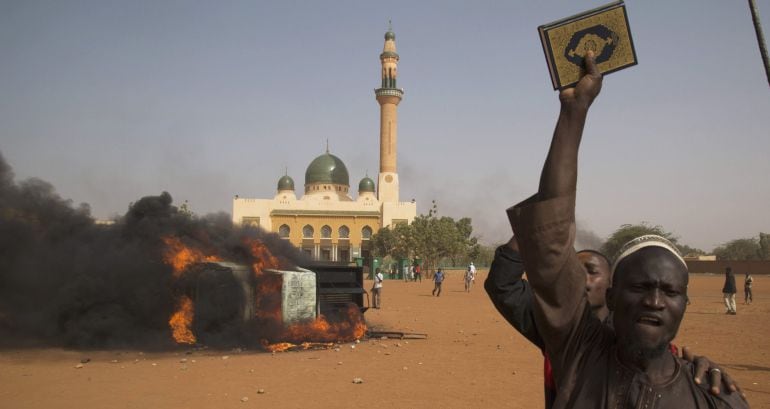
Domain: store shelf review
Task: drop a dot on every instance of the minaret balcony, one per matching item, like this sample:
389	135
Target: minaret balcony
389	92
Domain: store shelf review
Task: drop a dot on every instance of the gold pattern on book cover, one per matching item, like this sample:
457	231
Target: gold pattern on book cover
569	49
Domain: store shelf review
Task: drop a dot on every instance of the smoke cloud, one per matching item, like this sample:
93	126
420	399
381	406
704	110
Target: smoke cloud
66	280
586	239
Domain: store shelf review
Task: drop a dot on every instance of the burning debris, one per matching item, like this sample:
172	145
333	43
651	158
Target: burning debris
157	277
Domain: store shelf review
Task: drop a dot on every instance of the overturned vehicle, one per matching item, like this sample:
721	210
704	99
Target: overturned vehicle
231	305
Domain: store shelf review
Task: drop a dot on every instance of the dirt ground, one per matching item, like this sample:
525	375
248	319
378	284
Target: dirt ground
471	359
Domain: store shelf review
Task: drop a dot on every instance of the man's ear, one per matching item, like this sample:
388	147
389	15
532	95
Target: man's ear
609	296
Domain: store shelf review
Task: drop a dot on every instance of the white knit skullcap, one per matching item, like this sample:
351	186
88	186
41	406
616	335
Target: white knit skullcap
648	240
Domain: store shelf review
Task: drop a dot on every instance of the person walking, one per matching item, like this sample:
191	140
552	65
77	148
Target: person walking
377	289
438	278
470	277
729	290
747	282
417	273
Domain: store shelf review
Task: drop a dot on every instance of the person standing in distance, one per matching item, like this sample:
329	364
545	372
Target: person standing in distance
747	282
729	290
438	278
377	289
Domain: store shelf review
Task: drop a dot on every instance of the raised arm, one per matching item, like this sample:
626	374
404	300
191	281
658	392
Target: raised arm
545	223
510	293
559	175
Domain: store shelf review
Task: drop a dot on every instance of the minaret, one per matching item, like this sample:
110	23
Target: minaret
388	97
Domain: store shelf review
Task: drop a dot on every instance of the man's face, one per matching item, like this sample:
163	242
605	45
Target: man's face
597	277
649	300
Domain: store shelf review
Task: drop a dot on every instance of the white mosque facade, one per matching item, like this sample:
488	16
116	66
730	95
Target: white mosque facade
326	222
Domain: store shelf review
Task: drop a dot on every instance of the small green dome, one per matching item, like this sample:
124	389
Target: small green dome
285	183
390	35
366	185
327	168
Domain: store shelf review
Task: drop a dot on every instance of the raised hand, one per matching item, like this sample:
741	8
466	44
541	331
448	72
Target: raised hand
582	95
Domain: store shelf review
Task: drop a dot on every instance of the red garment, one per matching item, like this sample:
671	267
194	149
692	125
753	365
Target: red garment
550	384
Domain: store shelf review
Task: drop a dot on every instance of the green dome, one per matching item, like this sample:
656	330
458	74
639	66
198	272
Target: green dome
327	168
390	35
285	183
366	185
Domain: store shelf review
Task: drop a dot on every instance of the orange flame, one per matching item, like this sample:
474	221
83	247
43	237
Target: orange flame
181	320
263	258
267	298
351	328
179	256
288	346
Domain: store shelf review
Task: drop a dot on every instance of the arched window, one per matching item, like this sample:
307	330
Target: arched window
307	231
366	233
326	232
344	232
284	231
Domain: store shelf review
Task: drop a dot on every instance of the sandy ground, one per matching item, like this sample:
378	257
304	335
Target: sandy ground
471	359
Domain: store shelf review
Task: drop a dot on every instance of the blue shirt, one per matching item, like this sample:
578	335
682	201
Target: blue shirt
439	277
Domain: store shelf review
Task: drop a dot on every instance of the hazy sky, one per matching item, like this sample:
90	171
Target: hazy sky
114	100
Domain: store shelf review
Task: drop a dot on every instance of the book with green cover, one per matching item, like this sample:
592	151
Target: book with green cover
604	30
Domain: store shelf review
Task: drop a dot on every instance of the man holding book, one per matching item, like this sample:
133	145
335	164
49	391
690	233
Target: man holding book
511	295
595	366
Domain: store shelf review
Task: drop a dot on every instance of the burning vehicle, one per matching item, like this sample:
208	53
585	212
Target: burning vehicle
157	277
278	304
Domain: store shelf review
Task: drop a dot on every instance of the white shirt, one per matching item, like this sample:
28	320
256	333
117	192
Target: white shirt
378	280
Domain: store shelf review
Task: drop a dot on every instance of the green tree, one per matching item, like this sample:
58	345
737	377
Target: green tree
689	251
184	209
628	232
429	237
485	255
396	242
739	249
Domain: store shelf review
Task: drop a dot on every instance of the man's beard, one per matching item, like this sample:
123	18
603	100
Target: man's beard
646	353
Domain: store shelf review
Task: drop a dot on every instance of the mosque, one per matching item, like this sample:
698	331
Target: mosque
326	223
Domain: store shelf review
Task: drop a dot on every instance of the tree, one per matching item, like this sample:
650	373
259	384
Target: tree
184	209
396	242
485	255
628	232
739	249
689	251
429	237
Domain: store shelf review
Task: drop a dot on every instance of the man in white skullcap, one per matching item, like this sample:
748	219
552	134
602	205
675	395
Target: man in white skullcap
593	365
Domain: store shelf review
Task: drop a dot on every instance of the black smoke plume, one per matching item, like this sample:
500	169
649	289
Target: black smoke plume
67	281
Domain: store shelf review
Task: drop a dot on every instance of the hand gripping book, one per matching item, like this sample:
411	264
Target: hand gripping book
604	30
